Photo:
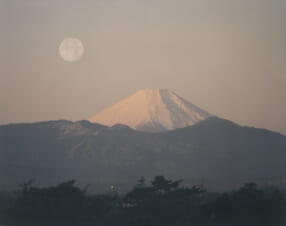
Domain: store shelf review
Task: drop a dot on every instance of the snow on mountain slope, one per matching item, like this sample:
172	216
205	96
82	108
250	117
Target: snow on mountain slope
153	111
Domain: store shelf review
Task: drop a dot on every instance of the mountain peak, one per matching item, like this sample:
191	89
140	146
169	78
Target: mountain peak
152	110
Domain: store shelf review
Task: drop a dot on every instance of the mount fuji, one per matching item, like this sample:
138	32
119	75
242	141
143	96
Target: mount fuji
216	151
152	111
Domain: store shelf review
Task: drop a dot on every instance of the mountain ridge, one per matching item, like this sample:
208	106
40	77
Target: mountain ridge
217	151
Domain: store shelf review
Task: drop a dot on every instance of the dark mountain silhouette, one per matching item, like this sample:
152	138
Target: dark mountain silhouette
214	152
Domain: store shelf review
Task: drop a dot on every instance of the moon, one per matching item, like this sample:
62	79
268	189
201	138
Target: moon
71	49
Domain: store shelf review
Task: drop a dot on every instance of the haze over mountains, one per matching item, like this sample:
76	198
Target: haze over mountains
153	111
208	150
215	152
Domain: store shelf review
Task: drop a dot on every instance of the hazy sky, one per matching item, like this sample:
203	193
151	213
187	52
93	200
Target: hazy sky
226	56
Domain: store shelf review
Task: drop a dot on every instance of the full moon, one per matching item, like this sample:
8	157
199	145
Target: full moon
71	49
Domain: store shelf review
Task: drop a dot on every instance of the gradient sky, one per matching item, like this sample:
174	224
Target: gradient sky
226	56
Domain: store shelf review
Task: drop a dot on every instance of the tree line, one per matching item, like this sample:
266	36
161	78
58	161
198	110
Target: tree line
160	202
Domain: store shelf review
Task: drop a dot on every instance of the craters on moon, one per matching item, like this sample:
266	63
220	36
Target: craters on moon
71	49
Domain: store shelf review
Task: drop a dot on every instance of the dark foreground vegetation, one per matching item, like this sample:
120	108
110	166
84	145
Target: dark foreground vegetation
161	202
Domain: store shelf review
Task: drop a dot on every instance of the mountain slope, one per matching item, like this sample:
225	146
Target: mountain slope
153	111
216	152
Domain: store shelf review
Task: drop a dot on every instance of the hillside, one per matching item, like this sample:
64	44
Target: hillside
215	152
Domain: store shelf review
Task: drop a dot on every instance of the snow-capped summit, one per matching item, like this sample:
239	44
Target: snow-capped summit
152	110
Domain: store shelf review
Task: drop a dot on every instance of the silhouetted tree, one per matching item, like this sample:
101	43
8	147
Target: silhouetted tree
160	202
162	185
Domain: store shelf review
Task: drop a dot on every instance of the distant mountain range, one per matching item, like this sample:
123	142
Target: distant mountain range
152	110
214	152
